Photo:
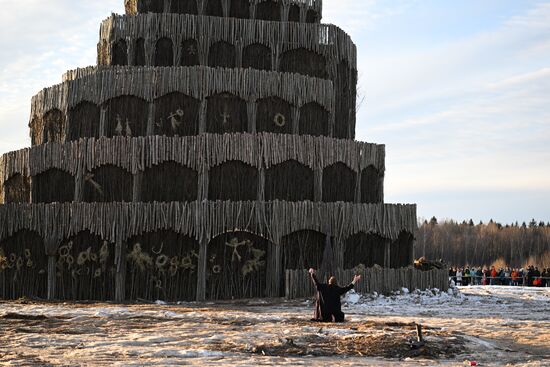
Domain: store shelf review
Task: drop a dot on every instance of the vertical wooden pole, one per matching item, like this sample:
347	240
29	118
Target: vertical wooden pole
120	276
137	180
178	41
261	184
387	254
318	185
251	108
338	248
203	108
275	275
225	8
412	247
201	271
358	187
103	121
52	277
202	192
151	119
252	10
381	187
79	183
131	46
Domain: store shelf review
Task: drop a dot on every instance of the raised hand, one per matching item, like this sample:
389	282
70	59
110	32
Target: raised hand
312	271
356	278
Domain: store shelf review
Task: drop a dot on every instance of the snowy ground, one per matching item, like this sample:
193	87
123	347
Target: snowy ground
491	325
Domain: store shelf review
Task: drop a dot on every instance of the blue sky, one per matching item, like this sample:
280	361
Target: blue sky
459	91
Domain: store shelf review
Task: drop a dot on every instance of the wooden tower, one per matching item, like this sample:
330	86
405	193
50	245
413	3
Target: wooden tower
210	149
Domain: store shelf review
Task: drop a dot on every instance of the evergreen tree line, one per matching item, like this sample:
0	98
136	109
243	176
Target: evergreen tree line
467	243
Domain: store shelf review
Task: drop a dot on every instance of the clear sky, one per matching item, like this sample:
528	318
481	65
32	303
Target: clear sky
459	91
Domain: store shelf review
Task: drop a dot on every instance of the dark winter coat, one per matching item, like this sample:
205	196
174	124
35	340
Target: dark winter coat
328	307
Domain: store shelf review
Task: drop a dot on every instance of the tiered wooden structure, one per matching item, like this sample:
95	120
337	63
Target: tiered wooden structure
210	150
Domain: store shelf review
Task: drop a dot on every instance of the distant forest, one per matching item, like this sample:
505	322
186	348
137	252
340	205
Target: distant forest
467	243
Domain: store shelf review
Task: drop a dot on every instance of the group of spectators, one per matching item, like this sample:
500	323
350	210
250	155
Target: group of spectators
531	277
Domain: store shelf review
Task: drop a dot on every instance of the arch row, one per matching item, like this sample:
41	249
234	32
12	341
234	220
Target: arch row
322	51
168	169
277	10
165	264
142	32
181	101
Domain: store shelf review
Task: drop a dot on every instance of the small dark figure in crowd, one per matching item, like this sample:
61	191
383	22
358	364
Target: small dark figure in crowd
530	275
452	273
479	276
466	280
545	276
328	307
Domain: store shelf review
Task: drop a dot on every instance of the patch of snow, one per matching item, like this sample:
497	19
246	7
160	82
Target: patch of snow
352	297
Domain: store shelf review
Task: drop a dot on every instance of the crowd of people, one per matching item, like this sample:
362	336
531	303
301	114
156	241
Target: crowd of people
531	276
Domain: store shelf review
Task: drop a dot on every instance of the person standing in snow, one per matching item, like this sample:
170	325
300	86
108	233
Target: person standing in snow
459	277
328	307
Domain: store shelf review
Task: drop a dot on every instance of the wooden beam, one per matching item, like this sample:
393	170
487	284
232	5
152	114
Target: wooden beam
120	275
201	271
52	277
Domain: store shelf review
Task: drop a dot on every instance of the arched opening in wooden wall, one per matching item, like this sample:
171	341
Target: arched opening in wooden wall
303	250
177	114
233	180
108	183
339	183
314	120
126	116
17	189
86	269
240	9
364	248
23	266
162	265
214	8
53	186
257	56
274	115
184	7
54	126
304	62
268	10
289	181
189	53
400	250
164	52
84	121
344	102
169	181
312	16
140	59
294	13
222	54
236	266
226	113
371	185
120	53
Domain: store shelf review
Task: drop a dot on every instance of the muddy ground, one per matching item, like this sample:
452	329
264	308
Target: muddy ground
492	327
